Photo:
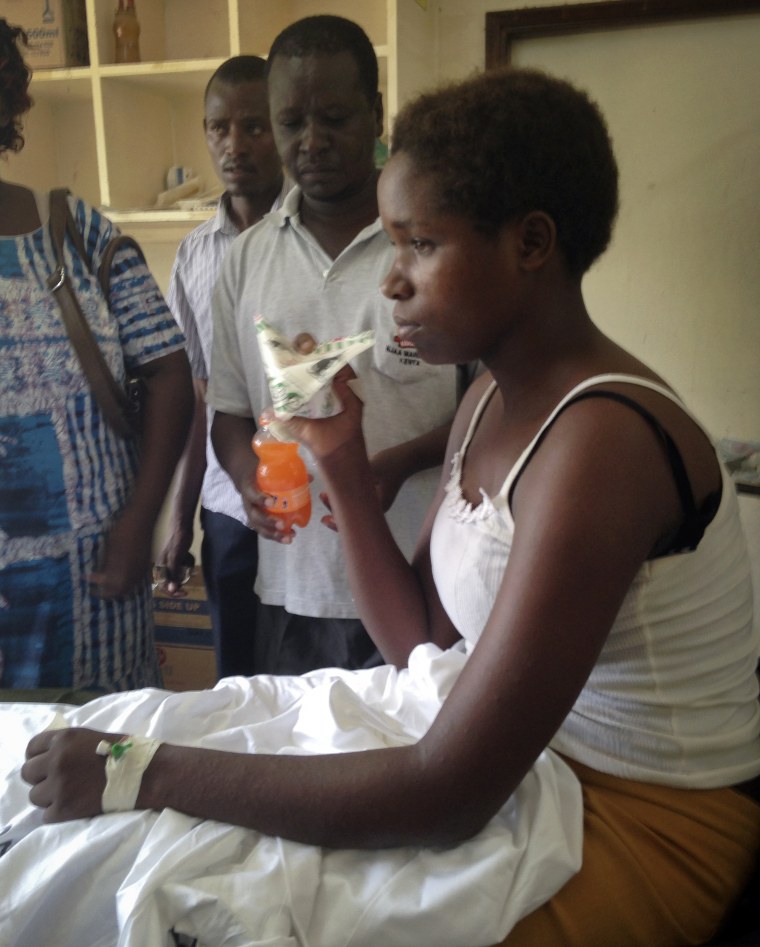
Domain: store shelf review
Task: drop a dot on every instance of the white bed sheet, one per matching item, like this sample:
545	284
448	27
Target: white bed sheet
128	879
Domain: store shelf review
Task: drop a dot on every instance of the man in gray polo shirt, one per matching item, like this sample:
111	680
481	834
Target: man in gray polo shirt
316	266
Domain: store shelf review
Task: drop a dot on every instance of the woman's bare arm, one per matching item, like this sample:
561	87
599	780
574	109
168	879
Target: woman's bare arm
583	530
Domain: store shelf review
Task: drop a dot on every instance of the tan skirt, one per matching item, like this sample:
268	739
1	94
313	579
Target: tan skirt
662	867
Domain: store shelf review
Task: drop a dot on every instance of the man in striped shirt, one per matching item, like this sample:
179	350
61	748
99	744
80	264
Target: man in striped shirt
241	146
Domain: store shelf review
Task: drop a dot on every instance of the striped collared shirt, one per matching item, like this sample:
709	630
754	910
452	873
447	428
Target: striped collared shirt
194	274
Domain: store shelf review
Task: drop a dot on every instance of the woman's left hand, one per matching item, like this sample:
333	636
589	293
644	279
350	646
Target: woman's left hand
67	776
126	558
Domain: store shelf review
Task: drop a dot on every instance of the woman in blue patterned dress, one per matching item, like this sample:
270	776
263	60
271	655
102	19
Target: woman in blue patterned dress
78	503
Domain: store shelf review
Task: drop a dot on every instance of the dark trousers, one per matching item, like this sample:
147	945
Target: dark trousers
295	644
229	559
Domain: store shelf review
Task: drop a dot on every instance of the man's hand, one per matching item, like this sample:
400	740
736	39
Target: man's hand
231	436
257	508
175	564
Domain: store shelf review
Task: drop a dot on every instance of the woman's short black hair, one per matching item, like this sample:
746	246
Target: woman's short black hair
15	76
330	35
509	141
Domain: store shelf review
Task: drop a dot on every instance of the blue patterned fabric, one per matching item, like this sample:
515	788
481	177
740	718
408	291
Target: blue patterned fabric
64	475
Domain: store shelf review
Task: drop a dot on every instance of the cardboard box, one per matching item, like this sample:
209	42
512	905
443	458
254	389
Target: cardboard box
57	31
186	669
183	637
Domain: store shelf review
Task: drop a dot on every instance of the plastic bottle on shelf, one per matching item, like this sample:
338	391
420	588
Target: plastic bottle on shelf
282	474
126	32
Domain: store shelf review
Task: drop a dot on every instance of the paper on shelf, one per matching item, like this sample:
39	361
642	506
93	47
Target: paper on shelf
202	201
167	198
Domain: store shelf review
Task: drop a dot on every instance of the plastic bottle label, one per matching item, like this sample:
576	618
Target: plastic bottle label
286	501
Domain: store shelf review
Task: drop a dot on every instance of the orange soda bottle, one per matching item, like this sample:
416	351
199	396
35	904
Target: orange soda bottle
282	474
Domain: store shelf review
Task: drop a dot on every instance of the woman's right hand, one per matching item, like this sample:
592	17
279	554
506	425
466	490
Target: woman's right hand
327	438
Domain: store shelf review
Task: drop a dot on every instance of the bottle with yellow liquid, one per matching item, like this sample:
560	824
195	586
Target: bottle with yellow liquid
126	32
282	474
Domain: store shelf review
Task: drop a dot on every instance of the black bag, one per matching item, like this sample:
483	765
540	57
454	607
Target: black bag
121	408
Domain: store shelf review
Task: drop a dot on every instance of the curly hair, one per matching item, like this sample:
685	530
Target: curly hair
329	35
509	141
15	76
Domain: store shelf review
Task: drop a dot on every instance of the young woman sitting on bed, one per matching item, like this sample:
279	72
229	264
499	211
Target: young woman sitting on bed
584	542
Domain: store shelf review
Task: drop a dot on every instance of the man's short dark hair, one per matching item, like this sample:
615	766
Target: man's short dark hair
237	70
330	35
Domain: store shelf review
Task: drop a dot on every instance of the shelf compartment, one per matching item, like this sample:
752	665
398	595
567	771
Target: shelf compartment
171	106
261	20
134	121
170	29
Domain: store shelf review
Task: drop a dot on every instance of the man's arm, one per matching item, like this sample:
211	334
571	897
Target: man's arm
392	467
188	478
231	438
188	483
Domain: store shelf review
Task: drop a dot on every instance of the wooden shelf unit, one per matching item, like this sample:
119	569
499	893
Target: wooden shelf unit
111	131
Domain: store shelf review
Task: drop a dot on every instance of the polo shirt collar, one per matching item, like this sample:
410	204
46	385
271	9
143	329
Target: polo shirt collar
291	209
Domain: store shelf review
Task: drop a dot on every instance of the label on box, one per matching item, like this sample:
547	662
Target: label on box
56	29
183	621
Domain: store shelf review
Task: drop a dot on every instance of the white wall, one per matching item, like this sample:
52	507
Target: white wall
680	285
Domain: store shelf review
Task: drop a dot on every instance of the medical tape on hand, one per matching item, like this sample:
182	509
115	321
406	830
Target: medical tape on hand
126	761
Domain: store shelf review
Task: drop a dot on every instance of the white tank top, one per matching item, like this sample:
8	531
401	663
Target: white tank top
673	697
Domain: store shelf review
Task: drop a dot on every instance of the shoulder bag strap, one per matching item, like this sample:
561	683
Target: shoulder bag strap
114	244
111	399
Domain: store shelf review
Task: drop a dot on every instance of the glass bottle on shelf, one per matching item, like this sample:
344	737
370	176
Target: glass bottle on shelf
126	31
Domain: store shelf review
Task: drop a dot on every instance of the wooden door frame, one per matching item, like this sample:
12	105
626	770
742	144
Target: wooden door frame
504	27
